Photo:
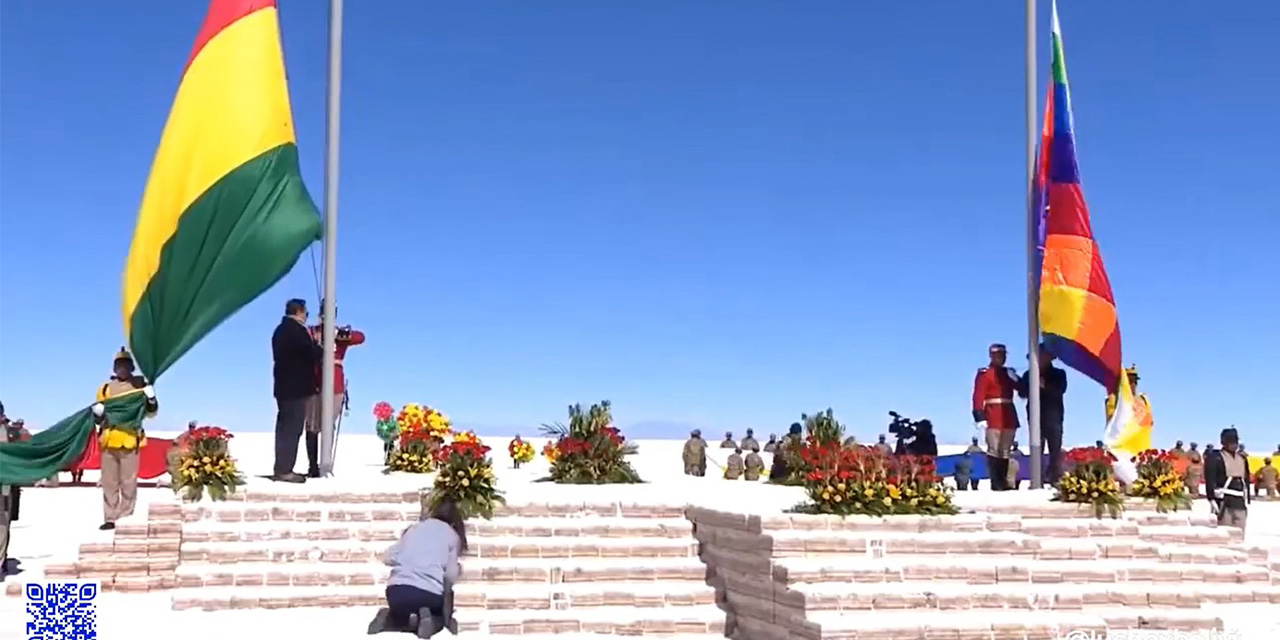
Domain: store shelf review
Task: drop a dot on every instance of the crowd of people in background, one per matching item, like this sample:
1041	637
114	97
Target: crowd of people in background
1223	473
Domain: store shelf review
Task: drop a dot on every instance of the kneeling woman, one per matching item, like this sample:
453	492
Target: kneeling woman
424	565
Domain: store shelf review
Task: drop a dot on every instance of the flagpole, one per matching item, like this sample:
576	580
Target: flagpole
332	111
1033	293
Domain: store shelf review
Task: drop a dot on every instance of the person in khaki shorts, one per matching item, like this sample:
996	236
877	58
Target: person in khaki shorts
120	443
995	413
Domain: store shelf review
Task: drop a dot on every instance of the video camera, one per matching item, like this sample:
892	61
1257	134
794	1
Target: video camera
909	434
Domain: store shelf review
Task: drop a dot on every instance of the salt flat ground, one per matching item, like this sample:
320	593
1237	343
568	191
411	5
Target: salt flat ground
55	521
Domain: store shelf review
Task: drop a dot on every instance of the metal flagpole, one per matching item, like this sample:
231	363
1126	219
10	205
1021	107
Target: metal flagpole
332	104
1033	293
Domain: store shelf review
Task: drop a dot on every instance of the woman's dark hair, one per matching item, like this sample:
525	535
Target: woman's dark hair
447	512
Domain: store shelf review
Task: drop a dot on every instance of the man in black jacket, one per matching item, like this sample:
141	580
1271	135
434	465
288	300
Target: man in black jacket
1053	386
296	360
1226	481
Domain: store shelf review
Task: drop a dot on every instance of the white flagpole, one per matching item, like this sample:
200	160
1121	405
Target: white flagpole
332	111
1033	293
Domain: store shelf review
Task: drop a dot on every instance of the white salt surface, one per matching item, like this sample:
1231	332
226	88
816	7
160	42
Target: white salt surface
55	521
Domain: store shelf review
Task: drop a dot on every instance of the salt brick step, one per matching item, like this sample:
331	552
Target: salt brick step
558	508
793	543
295	550
997	625
607	527
281	575
304	494
987	570
582	547
476	635
629	621
318	511
295	512
246	597
579	595
390	530
992	518
914	595
474	570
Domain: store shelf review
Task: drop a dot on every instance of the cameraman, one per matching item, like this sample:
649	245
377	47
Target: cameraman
346	337
925	444
915	438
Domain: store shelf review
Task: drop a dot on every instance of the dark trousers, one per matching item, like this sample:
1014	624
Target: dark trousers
291	420
313	451
404	600
998	473
1051	435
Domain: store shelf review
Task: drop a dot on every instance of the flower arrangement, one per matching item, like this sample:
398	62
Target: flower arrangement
520	451
819	429
465	477
590	450
421	432
386	428
1090	479
204	463
858	480
1159	479
550	452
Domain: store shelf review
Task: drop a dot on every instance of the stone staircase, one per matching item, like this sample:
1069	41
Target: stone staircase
581	568
1028	573
141	554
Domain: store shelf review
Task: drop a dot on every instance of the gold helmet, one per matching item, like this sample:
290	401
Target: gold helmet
123	354
1132	371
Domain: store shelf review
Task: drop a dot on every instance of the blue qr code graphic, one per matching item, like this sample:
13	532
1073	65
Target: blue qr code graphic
62	611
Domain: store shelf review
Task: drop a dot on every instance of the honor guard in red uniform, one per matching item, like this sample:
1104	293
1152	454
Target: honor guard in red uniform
995	412
346	337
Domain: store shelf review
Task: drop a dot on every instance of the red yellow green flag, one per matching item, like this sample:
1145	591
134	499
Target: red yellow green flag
225	213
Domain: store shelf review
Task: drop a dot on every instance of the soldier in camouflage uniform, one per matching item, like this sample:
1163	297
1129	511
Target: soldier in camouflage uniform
1195	470
8	494
755	465
1265	480
733	467
772	445
695	454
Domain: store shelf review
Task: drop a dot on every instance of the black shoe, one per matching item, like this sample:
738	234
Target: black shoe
107	526
428	625
289	477
380	620
314	472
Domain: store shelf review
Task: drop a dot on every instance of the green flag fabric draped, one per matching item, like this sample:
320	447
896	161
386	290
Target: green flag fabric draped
49	451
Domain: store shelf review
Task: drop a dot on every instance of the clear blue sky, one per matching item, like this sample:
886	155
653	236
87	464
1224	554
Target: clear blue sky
716	214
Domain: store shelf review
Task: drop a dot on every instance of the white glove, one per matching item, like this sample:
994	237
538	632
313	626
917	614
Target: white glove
99	409
149	392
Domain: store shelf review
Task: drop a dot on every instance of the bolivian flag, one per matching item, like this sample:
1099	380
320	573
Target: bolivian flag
225	213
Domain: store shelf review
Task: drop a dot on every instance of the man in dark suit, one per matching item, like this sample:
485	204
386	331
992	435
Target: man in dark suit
296	359
1053	386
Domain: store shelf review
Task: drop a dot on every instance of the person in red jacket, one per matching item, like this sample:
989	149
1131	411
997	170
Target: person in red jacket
346	337
994	411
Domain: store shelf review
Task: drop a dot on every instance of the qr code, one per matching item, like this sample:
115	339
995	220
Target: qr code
62	611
